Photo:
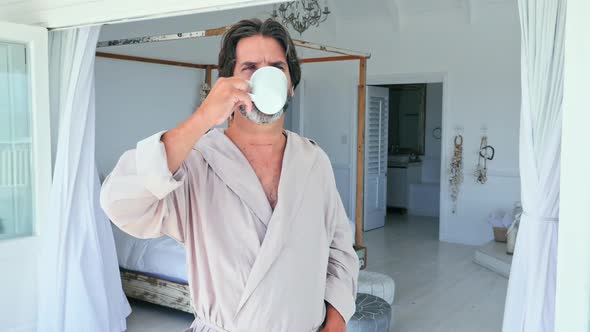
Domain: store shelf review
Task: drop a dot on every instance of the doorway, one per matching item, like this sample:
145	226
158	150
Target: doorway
403	131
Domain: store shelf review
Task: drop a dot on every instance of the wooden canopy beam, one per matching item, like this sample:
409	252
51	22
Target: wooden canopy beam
150	60
219	32
330	59
325	48
161	38
211	67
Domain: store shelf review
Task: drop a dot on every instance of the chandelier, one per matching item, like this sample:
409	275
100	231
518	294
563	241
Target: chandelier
301	14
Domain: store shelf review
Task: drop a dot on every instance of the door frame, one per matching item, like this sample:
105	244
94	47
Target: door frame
572	293
427	77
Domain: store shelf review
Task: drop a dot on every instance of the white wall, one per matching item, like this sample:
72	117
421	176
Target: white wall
474	50
478	58
331	123
135	100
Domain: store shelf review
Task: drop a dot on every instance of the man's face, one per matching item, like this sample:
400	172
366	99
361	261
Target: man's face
256	52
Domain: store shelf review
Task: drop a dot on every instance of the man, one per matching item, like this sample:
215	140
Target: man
268	243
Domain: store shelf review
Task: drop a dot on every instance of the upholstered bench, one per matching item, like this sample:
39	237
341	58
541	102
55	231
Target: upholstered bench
378	284
372	314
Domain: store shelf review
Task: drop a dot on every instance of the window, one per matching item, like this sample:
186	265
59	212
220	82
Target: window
16	185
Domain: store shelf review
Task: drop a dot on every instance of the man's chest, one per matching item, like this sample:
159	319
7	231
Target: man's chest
269	174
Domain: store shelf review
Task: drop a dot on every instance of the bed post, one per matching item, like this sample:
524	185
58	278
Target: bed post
208	75
360	158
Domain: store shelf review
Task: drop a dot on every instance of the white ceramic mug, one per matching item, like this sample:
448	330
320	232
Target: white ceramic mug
269	89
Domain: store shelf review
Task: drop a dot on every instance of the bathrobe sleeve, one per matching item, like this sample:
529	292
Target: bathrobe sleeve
343	264
142	197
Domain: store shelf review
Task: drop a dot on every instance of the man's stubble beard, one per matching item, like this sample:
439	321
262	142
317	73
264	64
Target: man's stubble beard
257	116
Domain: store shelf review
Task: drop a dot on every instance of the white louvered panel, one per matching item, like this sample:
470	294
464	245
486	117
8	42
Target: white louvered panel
15	165
374	143
22	156
384	128
376	123
371	194
5	167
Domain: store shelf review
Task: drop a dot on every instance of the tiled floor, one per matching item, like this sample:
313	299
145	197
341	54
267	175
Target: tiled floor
438	287
147	317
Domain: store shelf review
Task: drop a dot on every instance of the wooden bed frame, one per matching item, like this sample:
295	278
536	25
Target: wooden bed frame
140	286
175	295
166	293
341	55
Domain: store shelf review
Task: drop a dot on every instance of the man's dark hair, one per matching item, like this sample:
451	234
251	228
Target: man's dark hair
253	27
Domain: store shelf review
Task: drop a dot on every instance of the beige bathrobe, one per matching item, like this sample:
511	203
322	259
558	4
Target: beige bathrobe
249	268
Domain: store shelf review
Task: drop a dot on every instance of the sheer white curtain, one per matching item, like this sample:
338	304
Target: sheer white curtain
79	284
530	302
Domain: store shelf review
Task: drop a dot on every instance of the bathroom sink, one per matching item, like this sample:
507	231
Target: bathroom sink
398	159
401	161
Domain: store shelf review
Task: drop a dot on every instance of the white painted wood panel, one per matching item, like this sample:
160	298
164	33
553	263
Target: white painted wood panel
18	256
376	122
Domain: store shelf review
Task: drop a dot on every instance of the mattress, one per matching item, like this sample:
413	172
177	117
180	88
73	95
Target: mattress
163	257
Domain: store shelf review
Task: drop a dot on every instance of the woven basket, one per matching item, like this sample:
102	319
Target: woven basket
500	234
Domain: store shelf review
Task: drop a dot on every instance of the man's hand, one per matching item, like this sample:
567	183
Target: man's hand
334	321
226	95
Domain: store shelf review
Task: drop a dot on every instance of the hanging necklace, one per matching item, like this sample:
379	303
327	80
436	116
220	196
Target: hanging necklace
481	173
456	171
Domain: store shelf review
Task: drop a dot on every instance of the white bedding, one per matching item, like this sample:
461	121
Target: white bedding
163	257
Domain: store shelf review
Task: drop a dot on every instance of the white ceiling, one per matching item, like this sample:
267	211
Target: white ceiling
66	13
63	13
349	13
